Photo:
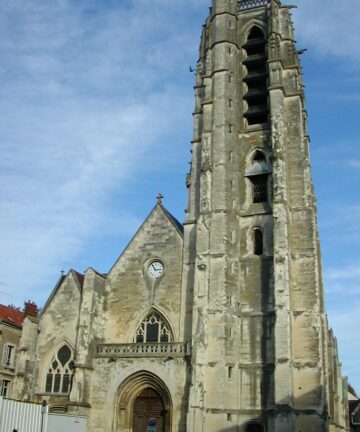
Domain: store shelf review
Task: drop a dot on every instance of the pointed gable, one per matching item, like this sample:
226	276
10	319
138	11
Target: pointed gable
158	227
131	287
74	278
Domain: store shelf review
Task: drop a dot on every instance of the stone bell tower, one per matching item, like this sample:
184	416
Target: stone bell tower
252	259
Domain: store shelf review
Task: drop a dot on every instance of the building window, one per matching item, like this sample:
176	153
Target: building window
258	175
255	62
9	356
60	372
259	187
4	388
355	418
258	242
153	329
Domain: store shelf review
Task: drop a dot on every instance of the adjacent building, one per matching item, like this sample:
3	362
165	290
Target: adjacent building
354	410
11	321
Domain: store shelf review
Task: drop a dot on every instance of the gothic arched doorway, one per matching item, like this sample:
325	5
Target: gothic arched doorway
148	405
140	397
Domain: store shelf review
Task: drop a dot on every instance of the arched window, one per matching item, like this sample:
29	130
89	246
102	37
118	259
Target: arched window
255	62
60	372
258	176
258	242
154	329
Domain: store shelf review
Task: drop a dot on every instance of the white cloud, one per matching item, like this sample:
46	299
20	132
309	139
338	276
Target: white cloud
343	282
349	272
331	27
84	103
355	163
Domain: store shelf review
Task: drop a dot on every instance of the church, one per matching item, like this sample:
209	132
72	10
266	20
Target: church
217	324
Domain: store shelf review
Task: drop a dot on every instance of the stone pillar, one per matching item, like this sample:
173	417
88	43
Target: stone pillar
24	383
89	330
212	210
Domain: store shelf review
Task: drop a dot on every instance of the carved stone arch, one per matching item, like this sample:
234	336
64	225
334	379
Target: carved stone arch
127	394
144	316
251	156
243	35
61	342
251	238
251	24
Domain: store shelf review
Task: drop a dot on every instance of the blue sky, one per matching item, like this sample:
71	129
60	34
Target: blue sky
96	102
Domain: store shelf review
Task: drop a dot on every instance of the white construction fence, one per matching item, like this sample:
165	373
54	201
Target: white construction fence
30	417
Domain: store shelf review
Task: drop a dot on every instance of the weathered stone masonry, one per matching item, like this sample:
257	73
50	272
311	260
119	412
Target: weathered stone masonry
228	328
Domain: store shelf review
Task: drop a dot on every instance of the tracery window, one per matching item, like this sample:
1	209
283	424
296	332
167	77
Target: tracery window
60	372
153	329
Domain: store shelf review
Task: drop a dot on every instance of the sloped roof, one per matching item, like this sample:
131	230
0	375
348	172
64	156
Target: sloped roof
352	391
11	315
178	225
102	275
78	277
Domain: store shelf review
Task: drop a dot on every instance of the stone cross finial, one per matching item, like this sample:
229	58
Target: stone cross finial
159	198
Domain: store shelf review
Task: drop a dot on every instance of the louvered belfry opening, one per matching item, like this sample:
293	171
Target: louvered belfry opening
255	62
259	184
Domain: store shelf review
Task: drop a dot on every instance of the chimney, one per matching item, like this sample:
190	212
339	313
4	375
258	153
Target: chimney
30	309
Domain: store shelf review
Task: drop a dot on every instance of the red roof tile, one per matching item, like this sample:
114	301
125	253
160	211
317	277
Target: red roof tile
11	315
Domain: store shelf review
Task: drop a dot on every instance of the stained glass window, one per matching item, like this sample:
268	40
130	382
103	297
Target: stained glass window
153	329
59	376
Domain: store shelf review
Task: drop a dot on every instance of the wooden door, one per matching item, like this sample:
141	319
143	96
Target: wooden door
148	404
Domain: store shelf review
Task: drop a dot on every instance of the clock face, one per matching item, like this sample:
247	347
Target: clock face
155	269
